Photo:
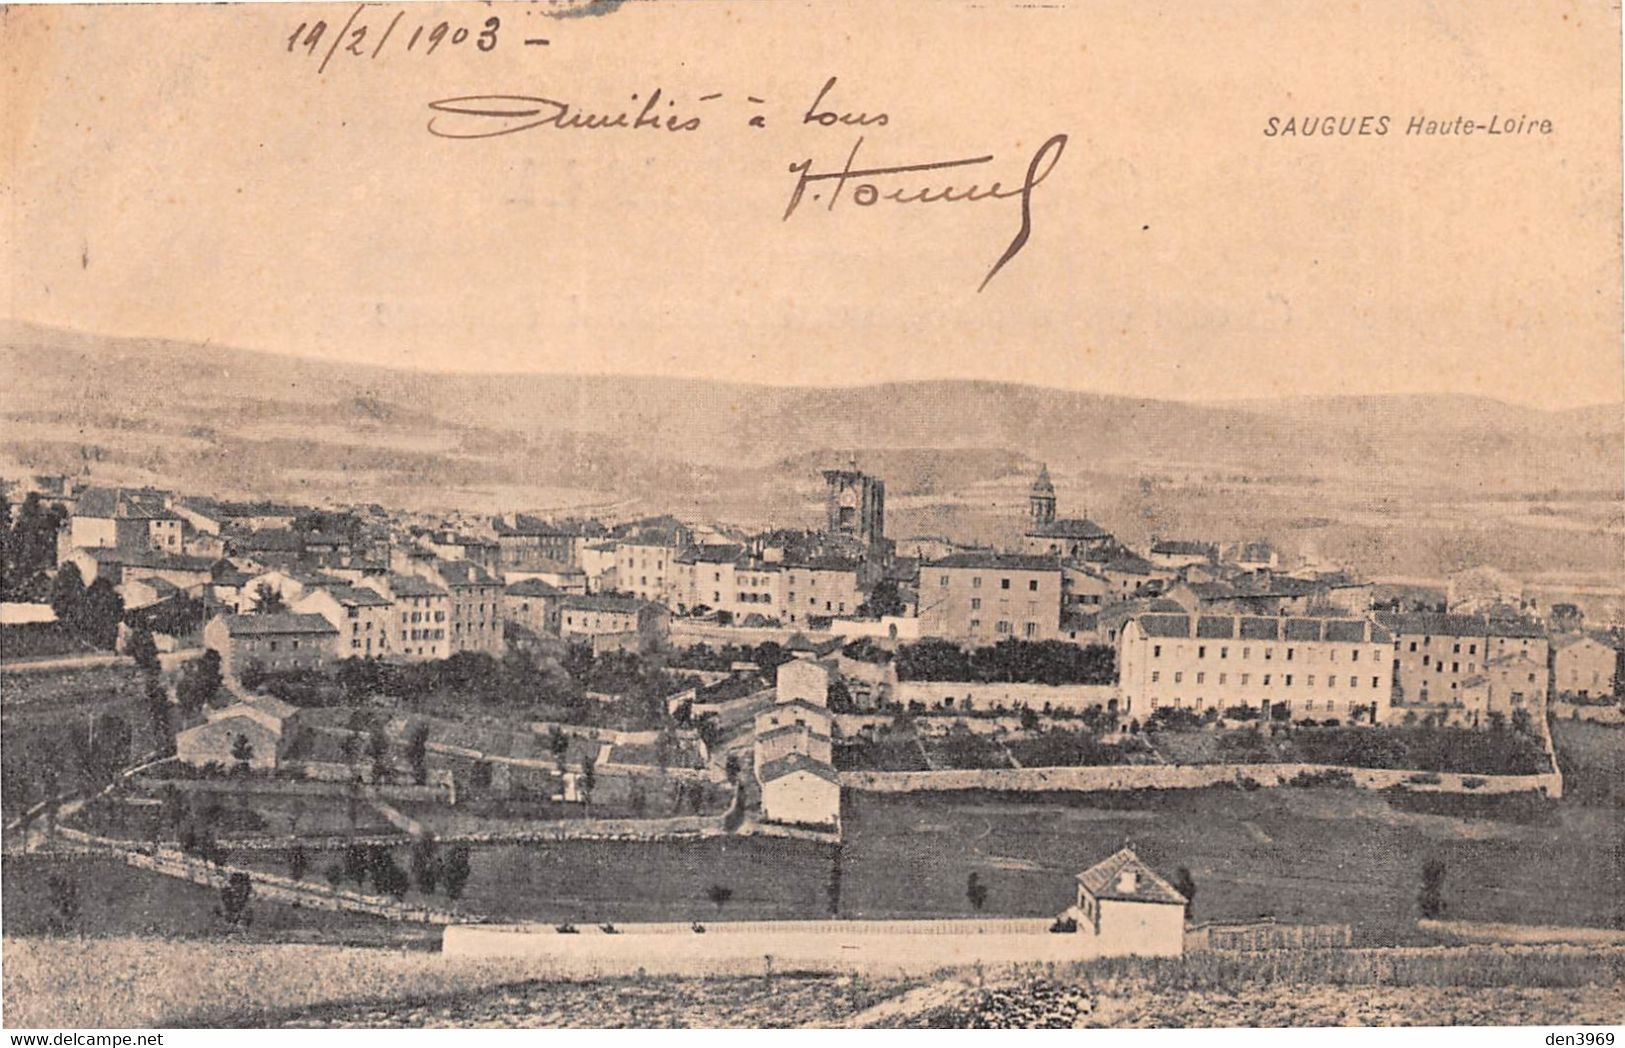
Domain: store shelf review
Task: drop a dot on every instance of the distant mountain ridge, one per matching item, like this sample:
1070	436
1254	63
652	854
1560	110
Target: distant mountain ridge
596	427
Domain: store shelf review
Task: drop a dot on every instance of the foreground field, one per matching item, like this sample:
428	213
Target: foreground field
155	983
1309	854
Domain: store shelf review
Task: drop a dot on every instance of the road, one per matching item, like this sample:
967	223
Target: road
168	660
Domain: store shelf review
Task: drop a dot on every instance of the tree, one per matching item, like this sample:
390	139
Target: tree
378	750
268	600
298	861
454	871
976	891
387	875
143	650
417	753
1430	900
157	700
242	751
1185	885
64	895
585	783
234	896
719	895
559	744
731	767
883	600
425	865
68	595
832	887
199	684
101	613
356	861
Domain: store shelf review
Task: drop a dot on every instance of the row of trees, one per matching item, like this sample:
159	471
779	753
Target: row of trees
429	868
1009	661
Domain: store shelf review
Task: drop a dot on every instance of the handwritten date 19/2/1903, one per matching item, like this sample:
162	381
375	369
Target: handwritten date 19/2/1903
492	116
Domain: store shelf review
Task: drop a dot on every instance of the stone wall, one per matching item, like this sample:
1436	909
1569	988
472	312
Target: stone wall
1177	777
976	695
762	947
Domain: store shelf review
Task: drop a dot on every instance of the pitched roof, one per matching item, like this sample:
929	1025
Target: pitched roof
712	553
463	573
1178	548
607	602
1456	625
357	597
412	586
791	763
532	588
1129	565
277	622
1102	880
998	562
1069	528
791	729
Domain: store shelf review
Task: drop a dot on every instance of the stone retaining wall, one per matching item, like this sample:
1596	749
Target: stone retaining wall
1176	777
976	695
764	947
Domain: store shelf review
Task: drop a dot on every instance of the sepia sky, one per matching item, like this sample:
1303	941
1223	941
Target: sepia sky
177	172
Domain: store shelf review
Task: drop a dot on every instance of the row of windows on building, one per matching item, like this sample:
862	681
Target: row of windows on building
1004	626
1223	652
1004	584
1247	678
1328	705
423	616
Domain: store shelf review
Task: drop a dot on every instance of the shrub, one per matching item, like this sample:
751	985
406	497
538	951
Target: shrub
1471	782
1336	777
1064	925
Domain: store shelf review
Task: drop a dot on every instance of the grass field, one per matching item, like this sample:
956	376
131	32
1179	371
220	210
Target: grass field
117	900
1592	759
1324	854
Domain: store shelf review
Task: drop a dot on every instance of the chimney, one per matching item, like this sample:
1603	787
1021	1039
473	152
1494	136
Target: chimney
1128	881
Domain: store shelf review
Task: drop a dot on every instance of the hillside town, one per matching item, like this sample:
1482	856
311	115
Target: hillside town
763	665
398	715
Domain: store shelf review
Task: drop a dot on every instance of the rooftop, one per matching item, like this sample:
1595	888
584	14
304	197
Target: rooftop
791	763
1104	880
278	622
997	562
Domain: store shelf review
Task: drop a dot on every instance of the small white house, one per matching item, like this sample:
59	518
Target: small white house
799	789
1129	909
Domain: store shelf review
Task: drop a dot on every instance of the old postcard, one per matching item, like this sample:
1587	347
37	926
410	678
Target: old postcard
725	514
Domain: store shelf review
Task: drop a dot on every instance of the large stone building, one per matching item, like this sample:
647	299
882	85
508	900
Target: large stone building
275	642
1584	666
821	588
421	611
983	598
1436	653
1308	668
361	616
475	605
606	621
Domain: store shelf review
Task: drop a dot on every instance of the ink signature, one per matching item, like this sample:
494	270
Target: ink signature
491	116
